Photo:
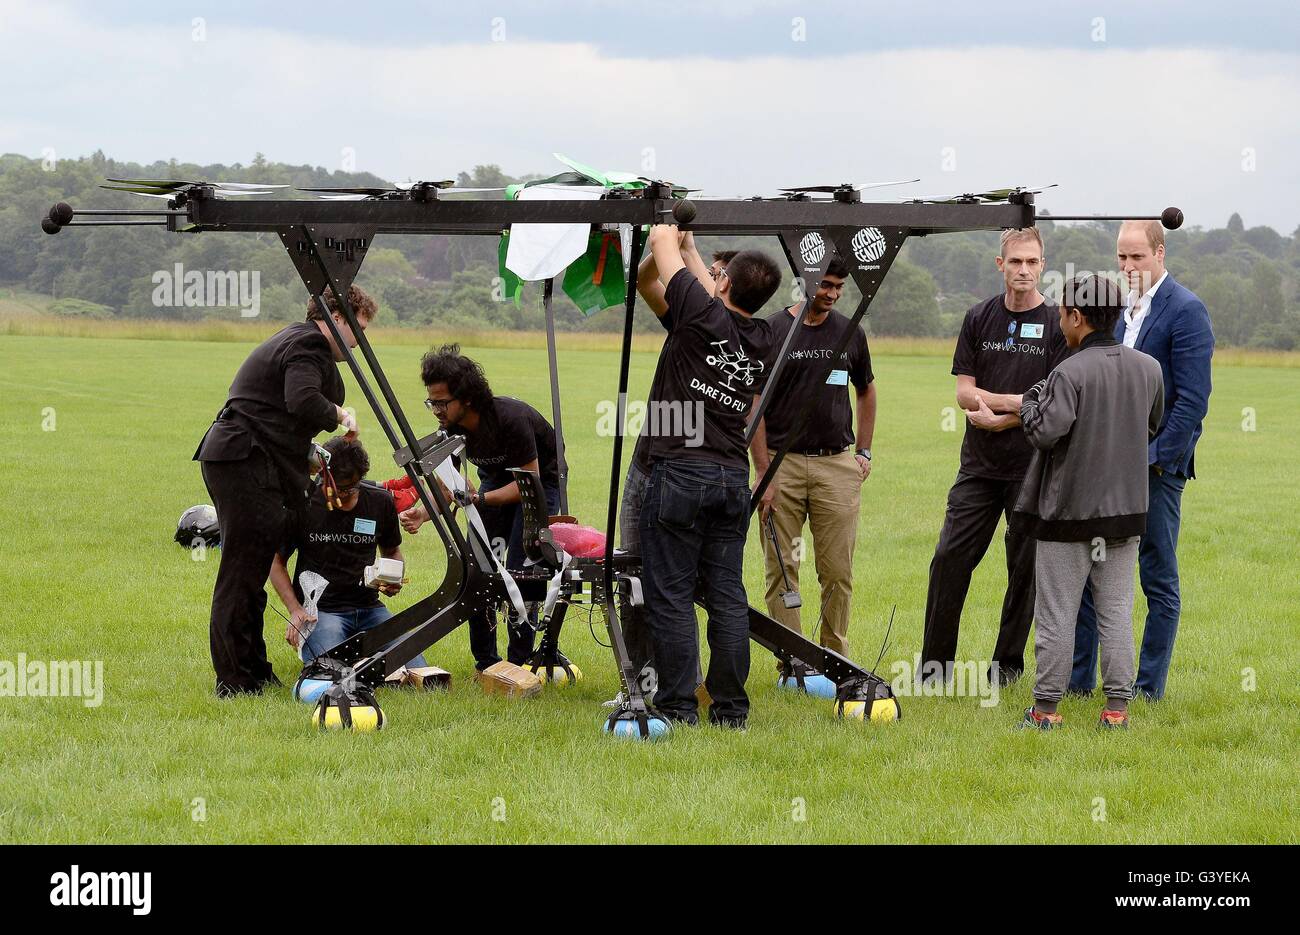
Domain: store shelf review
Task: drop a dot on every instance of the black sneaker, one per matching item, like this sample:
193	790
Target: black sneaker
730	723
225	690
1006	674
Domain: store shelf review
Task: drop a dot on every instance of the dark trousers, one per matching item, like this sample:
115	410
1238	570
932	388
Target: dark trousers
1158	570
251	512
974	506
505	529
636	625
693	526
636	628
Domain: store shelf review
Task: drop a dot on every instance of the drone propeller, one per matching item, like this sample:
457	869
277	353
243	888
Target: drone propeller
140	191
417	191
145	186
846	186
360	192
992	196
457	190
181	183
608	179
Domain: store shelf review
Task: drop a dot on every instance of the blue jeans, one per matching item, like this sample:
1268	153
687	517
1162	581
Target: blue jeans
693	526
333	627
505	525
1158	569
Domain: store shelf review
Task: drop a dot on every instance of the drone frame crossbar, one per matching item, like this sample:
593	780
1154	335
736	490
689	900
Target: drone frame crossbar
328	240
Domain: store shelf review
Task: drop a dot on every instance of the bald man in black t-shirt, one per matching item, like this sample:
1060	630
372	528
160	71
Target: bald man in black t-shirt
1006	345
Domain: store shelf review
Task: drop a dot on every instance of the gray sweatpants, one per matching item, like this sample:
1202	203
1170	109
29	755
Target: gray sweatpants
1061	570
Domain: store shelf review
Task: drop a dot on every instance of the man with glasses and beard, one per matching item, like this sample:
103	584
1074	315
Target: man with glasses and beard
500	433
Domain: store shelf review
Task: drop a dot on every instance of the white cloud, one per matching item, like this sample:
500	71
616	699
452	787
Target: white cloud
1120	130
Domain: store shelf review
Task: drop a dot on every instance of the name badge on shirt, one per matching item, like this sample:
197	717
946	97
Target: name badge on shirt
838	378
1028	330
365	526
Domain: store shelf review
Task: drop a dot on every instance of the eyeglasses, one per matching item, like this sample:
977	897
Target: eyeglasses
437	405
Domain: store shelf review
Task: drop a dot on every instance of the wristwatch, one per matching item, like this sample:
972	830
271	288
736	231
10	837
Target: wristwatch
863	453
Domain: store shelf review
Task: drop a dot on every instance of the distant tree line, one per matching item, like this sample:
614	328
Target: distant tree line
1246	276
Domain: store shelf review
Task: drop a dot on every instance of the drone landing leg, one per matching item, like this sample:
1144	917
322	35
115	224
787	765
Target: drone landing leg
633	717
551	665
859	692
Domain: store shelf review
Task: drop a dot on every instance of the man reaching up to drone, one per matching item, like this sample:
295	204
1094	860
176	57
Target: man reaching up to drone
696	512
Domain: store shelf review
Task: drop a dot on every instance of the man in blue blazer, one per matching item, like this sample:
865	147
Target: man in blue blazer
1168	322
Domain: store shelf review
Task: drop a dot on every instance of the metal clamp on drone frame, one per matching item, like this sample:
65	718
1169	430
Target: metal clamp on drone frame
327	241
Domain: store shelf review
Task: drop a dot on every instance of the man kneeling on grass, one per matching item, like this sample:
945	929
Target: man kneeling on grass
338	544
1085	494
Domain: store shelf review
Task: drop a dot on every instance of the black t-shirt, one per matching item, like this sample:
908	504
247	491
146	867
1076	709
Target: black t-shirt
510	434
802	377
641	453
712	365
1006	352
339	544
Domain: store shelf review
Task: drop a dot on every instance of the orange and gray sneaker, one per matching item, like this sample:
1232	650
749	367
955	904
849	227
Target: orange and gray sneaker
1037	720
1113	720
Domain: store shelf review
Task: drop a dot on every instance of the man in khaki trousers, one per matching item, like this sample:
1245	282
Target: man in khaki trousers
820	478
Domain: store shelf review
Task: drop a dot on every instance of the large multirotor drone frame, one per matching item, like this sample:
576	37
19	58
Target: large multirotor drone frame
327	242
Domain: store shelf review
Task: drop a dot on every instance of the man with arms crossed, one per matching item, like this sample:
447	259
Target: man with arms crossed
1007	344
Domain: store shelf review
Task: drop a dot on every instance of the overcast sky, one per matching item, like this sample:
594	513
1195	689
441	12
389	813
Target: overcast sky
1130	107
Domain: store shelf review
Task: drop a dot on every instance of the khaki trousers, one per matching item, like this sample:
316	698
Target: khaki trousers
825	492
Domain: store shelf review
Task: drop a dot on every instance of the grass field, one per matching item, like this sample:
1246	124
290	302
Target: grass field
89	572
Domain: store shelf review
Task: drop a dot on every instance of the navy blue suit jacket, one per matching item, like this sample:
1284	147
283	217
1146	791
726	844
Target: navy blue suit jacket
1176	332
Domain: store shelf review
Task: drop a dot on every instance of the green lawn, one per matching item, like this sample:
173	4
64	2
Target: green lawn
89	572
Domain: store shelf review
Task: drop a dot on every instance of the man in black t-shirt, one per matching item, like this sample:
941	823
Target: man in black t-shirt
500	433
338	544
636	629
820	478
254	462
1006	345
696	512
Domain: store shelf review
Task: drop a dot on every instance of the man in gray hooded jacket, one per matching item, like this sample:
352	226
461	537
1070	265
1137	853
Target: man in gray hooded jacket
1085	494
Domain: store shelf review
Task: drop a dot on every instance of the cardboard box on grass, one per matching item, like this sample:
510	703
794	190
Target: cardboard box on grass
508	679
426	677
